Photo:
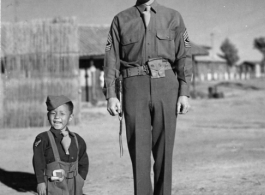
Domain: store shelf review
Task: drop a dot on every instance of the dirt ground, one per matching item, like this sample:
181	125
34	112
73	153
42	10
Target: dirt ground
219	148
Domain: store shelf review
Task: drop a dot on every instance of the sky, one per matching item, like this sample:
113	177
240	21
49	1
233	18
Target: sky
209	22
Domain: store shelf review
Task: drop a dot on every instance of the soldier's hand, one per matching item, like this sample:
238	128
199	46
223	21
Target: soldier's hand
41	189
114	106
183	105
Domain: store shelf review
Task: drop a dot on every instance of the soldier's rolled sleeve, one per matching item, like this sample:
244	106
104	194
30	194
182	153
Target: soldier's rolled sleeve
109	85
112	60
39	159
183	63
83	161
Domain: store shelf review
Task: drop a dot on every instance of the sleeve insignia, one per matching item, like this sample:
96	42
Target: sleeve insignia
37	143
109	43
186	39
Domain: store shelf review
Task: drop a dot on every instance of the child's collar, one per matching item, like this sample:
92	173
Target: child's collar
57	133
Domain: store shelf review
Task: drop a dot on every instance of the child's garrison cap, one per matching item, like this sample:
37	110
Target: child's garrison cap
54	102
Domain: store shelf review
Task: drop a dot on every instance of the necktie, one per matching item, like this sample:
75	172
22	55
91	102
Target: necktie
147	15
66	141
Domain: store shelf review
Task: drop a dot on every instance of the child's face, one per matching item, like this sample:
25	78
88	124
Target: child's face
60	117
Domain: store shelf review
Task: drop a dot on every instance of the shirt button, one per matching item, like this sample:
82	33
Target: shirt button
149	56
148	43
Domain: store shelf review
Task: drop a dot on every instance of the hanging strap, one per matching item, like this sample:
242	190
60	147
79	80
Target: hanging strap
76	141
77	157
76	190
54	147
120	115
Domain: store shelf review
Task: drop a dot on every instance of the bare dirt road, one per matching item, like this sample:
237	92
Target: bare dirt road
219	149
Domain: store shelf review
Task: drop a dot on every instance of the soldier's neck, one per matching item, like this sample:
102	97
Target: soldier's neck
146	2
149	2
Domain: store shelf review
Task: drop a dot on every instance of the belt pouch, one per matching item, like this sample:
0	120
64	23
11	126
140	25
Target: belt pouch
156	68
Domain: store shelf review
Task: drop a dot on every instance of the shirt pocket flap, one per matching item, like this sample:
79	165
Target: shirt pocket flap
129	39
165	34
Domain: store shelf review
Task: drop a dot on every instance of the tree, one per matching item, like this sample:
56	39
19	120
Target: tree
229	53
259	44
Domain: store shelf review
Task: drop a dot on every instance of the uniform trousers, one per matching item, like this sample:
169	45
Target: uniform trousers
150	117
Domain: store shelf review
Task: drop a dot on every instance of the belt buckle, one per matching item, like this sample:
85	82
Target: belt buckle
145	69
58	173
128	72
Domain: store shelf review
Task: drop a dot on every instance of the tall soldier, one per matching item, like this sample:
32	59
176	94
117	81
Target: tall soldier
149	46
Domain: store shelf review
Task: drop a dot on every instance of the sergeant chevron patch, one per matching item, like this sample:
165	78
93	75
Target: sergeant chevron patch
37	143
109	43
186	39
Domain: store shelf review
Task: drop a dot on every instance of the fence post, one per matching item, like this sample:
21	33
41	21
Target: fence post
1	101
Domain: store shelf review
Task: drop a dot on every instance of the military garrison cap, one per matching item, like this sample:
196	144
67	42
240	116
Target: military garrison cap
54	102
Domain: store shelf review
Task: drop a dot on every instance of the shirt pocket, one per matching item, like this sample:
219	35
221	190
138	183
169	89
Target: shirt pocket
165	43
130	47
129	38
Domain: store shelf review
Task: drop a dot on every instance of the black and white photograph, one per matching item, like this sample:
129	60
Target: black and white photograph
132	97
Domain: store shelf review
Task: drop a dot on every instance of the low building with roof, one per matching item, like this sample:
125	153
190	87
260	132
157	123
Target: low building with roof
250	69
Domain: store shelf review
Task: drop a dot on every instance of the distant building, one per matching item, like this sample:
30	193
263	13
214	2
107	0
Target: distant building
250	69
213	67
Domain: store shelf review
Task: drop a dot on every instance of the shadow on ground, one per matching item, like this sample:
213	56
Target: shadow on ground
19	181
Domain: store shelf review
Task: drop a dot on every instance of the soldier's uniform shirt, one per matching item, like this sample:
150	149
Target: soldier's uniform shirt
131	44
43	153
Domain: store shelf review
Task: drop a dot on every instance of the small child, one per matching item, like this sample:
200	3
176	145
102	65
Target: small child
60	160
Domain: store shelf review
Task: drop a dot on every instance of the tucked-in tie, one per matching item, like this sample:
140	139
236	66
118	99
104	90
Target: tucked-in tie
66	141
147	15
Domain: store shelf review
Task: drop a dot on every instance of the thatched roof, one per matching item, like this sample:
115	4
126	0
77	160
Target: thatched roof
92	40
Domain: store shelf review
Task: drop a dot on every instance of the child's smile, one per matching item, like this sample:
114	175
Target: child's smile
60	117
57	124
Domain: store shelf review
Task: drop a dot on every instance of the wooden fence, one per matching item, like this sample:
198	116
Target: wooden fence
39	58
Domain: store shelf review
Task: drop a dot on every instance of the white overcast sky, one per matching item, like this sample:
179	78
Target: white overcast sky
239	20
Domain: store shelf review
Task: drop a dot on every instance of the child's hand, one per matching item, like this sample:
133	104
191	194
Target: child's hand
57	179
41	189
